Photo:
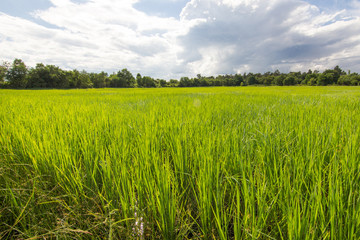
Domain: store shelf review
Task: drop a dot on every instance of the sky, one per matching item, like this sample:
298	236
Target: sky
175	38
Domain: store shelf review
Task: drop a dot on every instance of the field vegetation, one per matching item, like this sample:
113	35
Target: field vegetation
18	76
180	163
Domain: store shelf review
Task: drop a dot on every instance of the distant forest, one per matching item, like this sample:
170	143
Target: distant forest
17	75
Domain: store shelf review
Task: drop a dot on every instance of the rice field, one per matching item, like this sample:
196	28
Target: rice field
185	163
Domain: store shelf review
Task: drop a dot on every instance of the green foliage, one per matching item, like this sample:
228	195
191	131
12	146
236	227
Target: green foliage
79	79
268	80
289	80
279	80
173	83
100	80
83	80
139	80
123	79
148	82
16	74
310	78
50	76
163	83
351	79
325	78
312	81
338	72
250	79
3	70
185	82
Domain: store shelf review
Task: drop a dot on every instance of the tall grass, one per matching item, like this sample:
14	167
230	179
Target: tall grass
204	163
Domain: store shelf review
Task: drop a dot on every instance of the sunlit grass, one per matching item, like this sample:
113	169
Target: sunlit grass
192	163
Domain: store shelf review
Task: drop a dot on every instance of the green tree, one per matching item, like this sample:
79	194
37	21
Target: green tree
122	79
99	80
173	83
350	79
139	80
337	73
57	77
162	83
310	78
268	80
115	81
277	73
344	80
79	79
355	79
73	77
312	81
250	79
3	70
148	82
325	78
238	79
279	80
37	76
84	80
17	74
48	76
127	78
185	82
289	80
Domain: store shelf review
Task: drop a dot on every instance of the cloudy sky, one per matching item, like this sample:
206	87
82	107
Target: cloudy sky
174	38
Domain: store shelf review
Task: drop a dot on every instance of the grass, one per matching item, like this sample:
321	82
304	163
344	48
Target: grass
201	163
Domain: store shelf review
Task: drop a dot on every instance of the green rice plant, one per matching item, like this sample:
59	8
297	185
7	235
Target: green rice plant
187	163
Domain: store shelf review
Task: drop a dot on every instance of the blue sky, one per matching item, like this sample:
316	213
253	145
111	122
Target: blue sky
174	38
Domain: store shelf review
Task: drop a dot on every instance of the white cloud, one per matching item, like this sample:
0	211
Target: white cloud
211	37
263	35
96	35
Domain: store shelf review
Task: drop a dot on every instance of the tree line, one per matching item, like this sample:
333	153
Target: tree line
18	76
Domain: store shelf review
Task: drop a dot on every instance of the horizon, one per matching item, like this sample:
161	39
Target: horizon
172	39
